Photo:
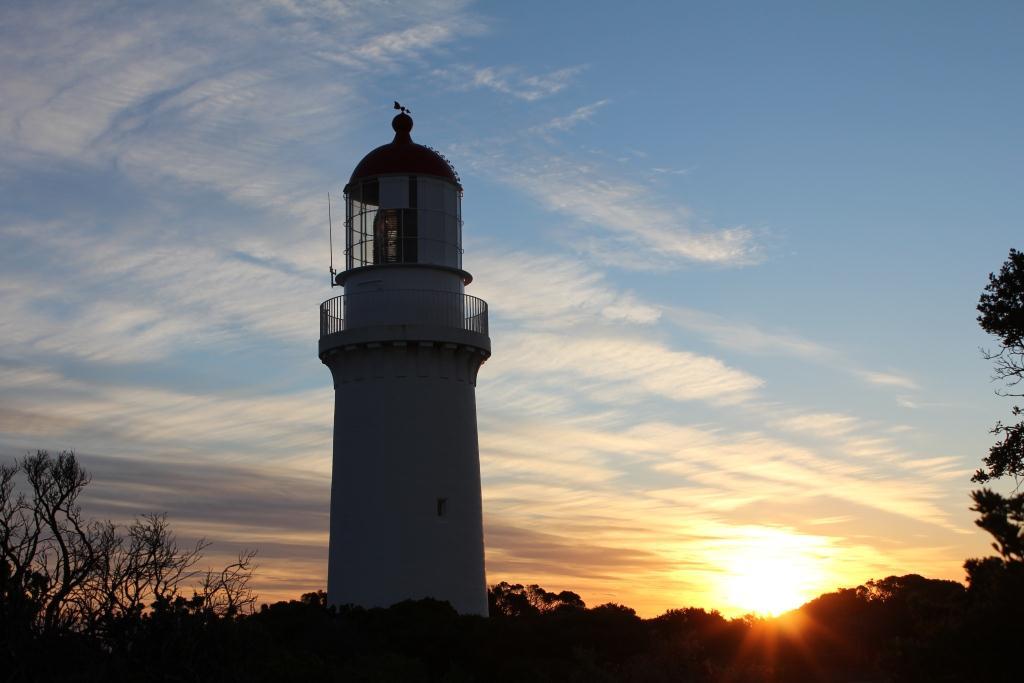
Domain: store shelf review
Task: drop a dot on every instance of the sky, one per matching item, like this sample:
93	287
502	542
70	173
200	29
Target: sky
731	252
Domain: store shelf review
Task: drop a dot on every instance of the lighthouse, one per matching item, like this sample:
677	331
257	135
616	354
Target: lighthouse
404	344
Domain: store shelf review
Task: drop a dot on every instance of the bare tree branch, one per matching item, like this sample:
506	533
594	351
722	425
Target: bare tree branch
75	574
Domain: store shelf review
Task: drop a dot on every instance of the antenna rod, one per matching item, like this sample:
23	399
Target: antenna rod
330	235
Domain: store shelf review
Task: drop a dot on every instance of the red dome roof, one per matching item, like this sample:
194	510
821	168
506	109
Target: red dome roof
403	155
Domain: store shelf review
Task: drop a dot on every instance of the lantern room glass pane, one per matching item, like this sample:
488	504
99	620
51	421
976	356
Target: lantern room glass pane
403	219
386	228
371	192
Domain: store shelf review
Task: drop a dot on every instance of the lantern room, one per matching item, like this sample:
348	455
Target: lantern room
403	206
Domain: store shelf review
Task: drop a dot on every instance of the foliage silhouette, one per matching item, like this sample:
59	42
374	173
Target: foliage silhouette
1001	314
996	584
91	584
513	600
906	628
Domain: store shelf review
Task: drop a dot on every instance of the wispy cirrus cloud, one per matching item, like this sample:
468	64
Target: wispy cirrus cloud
752	339
168	295
618	222
642	233
890	379
568	323
521	286
623	369
744	337
824	424
161	422
570	120
509	80
615	220
390	47
227	105
664	170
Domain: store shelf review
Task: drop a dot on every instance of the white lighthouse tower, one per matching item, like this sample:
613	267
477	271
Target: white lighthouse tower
404	344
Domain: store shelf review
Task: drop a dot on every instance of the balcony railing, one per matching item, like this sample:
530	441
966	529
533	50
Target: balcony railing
403	307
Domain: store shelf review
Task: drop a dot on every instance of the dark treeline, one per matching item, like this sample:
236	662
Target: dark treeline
898	629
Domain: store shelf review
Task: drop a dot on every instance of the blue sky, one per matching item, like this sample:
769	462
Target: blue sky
732	253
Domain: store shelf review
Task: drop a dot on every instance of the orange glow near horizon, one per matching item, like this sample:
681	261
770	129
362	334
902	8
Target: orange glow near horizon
771	571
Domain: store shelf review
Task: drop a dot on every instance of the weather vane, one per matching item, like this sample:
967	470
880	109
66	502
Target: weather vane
404	109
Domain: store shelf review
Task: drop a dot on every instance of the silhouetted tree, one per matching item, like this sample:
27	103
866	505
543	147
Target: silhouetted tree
1002	517
64	576
1001	314
991	624
514	600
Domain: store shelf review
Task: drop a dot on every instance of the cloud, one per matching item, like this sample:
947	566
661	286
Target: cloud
563	559
622	369
230	103
889	379
569	121
750	339
549	290
745	337
671	171
711	470
509	80
637	230
751	466
389	47
561	325
159	422
276	504
736	469
821	424
168	296
281	513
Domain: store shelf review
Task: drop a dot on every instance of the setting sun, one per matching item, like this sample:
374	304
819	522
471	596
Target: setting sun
772	571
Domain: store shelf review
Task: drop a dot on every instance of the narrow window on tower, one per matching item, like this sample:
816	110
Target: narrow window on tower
442	507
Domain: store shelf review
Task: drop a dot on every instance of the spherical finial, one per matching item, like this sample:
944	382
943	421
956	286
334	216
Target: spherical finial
402	124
